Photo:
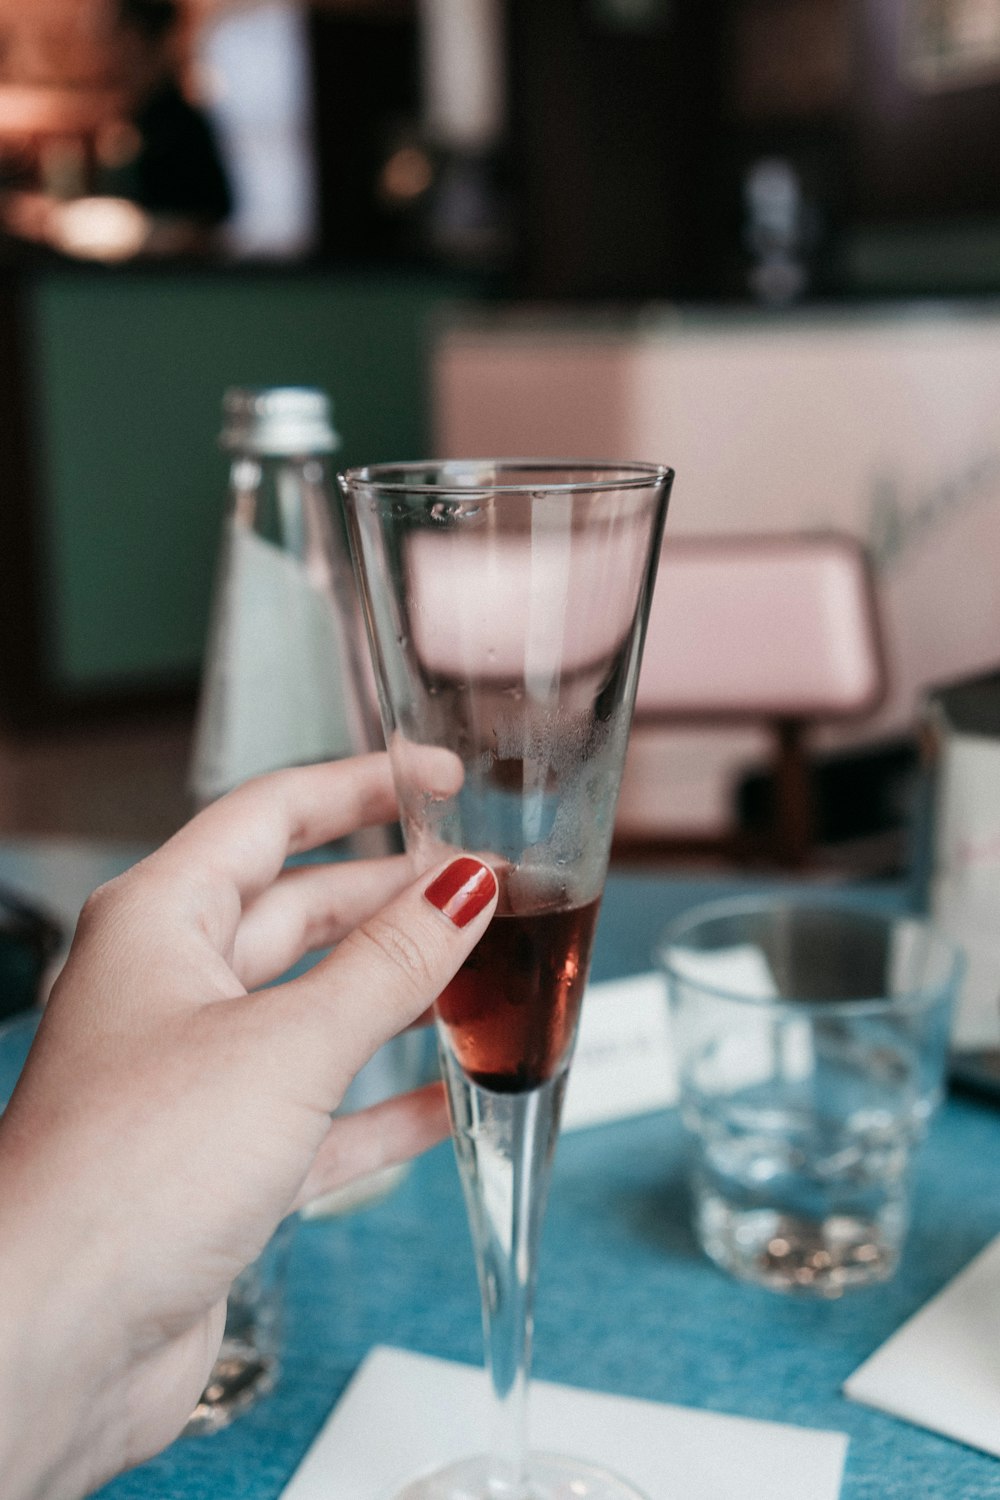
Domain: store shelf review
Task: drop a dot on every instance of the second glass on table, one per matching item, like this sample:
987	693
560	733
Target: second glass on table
811	1035
506	605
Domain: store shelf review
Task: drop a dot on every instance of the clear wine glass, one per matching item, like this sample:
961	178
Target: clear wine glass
506	604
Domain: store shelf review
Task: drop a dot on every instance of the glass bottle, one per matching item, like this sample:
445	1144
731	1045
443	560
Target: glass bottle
286	678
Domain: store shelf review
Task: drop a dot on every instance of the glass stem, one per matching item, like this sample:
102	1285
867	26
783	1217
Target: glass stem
505	1144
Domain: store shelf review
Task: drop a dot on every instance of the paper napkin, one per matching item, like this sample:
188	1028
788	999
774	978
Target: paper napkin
941	1369
624	1059
404	1414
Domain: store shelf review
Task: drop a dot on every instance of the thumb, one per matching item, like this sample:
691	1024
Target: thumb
391	968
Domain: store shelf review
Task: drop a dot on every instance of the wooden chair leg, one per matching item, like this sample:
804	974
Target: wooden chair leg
793	809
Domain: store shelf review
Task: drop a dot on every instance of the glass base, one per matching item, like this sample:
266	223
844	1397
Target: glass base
791	1254
549	1477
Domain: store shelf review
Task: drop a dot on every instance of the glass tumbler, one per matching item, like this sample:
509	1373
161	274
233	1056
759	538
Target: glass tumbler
811	1038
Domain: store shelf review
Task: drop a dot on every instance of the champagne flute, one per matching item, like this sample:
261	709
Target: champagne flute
506	604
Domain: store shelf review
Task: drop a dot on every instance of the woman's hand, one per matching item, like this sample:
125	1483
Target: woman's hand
172	1112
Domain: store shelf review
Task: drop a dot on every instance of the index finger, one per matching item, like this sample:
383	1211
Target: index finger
240	843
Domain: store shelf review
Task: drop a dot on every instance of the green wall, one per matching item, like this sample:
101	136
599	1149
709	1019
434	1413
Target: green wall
130	369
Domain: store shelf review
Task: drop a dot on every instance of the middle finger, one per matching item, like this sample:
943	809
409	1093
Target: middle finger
308	908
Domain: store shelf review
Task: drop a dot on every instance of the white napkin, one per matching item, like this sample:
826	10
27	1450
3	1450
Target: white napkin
624	1059
941	1369
404	1414
741	969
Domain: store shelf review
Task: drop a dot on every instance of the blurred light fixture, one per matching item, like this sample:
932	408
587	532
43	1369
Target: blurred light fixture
105	229
406	174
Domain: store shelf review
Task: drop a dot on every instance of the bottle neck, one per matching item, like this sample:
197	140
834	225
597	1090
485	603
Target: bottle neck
285	500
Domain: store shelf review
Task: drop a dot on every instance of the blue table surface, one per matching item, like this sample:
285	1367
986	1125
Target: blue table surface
626	1302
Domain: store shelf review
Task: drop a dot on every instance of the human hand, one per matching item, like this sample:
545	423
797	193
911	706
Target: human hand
172	1113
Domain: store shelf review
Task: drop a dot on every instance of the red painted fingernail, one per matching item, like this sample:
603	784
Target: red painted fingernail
462	890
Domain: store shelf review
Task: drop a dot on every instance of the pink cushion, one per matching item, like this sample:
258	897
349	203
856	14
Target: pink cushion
761	627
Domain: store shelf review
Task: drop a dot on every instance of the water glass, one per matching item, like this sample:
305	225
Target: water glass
811	1037
248	1363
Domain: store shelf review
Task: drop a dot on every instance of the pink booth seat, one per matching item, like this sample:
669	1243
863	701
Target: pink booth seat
775	630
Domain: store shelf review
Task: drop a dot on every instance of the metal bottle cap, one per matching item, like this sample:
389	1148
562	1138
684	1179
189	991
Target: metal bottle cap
283	420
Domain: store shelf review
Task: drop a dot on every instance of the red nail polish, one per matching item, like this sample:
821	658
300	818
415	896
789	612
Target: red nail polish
462	890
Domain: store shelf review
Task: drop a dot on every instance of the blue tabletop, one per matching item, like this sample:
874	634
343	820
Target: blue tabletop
626	1302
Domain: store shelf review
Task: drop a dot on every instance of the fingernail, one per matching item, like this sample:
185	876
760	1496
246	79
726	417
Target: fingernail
462	890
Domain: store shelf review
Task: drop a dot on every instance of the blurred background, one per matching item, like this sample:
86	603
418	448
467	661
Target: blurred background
756	239
519	140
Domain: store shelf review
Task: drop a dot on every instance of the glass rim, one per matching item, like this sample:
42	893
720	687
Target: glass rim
610	475
920	998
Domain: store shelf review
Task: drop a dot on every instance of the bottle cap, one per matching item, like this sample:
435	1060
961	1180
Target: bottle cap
281	420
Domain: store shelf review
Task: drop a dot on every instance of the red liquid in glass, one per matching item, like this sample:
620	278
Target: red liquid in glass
512	1008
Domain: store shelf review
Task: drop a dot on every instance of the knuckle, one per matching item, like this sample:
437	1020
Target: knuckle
98	904
105	926
113	911
404	952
